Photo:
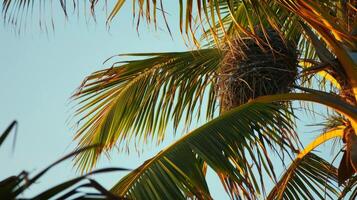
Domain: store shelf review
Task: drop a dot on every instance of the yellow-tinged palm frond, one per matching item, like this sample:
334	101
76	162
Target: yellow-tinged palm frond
334	31
325	18
317	74
336	132
135	100
323	98
234	145
326	76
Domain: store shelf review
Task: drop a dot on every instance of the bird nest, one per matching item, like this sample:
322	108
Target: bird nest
249	70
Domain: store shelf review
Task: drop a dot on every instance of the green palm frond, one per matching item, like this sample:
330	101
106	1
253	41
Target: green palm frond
310	177
165	178
243	17
135	100
234	145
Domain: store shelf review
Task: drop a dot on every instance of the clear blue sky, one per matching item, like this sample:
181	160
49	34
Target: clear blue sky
40	71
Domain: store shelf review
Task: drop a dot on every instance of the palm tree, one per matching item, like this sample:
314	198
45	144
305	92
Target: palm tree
253	58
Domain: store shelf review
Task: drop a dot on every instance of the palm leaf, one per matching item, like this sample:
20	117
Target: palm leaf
241	18
7	132
69	189
310	177
14	186
350	189
18	13
234	145
332	101
137	99
333	30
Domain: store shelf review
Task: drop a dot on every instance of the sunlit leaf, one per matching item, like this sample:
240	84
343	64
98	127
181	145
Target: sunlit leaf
136	100
233	145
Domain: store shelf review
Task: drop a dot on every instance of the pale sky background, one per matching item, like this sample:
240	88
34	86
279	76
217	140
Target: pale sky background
40	71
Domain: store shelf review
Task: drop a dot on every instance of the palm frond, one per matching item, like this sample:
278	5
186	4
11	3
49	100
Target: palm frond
70	188
234	145
242	19
322	17
7	131
137	99
310	177
14	186
9	187
319	64
350	190
323	98
19	13
335	32
332	121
